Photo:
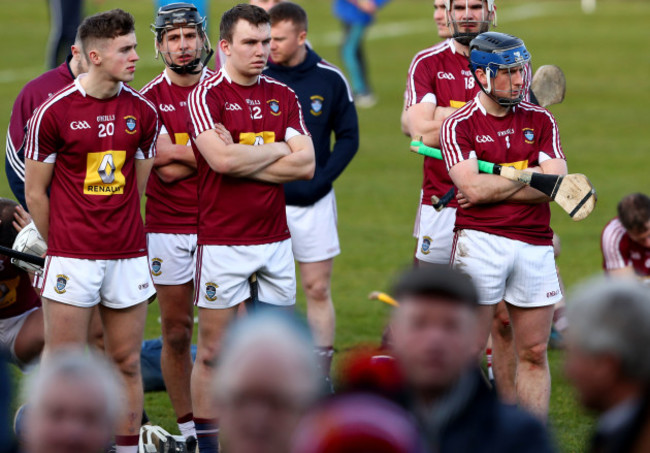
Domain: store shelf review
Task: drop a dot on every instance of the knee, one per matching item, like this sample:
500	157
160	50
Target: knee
128	362
501	325
178	336
317	291
535	355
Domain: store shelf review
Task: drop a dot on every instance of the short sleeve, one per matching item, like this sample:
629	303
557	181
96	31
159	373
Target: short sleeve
549	143
456	142
41	140
201	117
296	121
420	85
150	132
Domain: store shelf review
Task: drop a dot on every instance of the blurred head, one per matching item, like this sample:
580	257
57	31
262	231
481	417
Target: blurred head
607	348
468	18
266	378
73	404
78	64
288	33
181	38
634	214
246	39
7	231
108	42
440	18
265	4
434	328
357	423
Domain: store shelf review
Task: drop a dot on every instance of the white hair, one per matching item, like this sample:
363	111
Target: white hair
612	316
280	333
76	364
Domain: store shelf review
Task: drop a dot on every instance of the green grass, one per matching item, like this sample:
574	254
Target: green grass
603	123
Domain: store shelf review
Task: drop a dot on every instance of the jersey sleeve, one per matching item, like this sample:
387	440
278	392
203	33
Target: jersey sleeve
147	148
295	122
611	244
201	118
549	144
420	85
41	140
455	141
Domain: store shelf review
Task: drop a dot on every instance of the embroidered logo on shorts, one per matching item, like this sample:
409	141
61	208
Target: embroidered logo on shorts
61	282
426	245
529	136
211	291
156	265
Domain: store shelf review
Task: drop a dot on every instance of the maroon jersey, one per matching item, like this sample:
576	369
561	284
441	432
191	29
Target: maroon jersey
620	251
441	76
93	144
241	211
16	292
30	97
171	207
523	138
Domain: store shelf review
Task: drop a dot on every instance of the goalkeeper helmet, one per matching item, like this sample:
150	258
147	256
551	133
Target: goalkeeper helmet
494	51
182	15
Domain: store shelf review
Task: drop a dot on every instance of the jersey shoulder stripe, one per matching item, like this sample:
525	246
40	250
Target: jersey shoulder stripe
419	57
610	240
450	148
196	102
557	147
324	64
135	93
156	81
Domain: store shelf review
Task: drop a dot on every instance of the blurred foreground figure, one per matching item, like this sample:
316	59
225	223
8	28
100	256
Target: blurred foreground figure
608	362
267	378
74	401
434	340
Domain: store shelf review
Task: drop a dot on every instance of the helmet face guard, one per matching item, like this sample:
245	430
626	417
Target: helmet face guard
180	16
487	19
497	52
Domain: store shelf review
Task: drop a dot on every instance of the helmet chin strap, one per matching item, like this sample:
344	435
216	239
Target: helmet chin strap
193	67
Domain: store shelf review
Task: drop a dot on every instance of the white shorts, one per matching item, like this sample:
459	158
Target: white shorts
313	230
223	272
171	257
119	283
9	330
522	274
435	234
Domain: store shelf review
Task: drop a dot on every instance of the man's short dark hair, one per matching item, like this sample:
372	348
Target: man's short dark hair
106	25
437	280
252	14
7	231
291	12
634	212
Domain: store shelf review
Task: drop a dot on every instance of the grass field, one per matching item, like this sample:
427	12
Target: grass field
603	123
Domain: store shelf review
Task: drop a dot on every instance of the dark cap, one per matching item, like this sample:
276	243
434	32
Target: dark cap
436	280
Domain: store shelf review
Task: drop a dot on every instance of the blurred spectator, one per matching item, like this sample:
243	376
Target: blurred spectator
357	423
434	339
607	361
625	241
356	16
65	17
267	378
73	404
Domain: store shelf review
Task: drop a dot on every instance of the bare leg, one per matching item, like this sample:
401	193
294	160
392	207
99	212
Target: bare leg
123	332
96	330
31	338
531	328
212	325
504	361
316	279
65	325
177	315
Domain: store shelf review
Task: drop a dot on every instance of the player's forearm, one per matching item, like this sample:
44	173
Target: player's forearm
174	172
174	154
429	130
247	160
298	165
484	188
142	171
626	272
38	204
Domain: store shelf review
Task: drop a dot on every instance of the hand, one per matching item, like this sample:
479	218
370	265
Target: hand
22	218
442	113
463	202
224	134
367	6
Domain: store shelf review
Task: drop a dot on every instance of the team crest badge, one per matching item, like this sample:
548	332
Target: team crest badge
275	107
316	105
156	265
529	136
61	282
211	291
426	245
131	124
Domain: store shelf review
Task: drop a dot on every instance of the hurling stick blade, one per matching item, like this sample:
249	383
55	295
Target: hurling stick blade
576	195
383	297
549	85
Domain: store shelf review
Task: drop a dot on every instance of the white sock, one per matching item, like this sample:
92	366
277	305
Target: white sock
187	429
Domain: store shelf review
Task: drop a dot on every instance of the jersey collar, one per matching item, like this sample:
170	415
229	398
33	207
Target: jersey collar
81	88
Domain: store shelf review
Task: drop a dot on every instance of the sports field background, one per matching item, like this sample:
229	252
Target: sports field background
604	125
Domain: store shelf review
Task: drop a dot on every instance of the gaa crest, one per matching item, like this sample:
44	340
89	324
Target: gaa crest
316	105
156	265
131	124
426	245
61	282
529	136
274	105
211	291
